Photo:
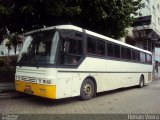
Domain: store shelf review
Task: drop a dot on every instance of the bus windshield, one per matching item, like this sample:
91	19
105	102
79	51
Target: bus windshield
39	47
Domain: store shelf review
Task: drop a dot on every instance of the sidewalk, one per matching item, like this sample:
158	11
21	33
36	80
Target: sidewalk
11	94
9	86
7	90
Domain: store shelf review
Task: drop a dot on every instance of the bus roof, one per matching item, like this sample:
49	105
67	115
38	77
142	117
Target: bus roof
72	27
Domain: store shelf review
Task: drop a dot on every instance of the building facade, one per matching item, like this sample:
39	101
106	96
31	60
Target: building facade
145	32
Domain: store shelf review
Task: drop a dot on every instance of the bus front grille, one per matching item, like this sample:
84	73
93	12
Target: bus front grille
28	79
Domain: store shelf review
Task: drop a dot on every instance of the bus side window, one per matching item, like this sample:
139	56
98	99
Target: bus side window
137	56
100	47
128	53
149	58
124	52
142	57
91	45
73	47
117	51
71	51
133	55
110	50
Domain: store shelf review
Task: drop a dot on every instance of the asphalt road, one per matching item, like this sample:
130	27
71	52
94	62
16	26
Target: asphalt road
132	100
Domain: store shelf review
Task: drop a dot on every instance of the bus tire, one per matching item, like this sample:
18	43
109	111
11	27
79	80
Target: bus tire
87	89
141	82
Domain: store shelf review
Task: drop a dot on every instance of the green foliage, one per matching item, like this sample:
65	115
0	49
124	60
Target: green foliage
13	39
109	17
4	10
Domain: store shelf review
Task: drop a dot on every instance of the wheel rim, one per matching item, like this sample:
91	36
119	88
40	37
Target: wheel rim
87	89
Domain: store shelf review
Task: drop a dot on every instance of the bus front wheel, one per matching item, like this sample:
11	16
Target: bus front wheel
141	82
87	89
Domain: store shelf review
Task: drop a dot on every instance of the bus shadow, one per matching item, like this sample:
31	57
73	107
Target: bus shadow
118	90
52	102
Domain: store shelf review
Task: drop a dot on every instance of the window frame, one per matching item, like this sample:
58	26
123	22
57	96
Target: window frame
113	57
72	36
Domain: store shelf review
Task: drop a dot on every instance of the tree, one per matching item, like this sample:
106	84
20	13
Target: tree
108	17
8	44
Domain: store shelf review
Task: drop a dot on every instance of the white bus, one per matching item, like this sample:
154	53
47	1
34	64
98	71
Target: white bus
66	61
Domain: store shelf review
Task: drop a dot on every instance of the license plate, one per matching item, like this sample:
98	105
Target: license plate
28	91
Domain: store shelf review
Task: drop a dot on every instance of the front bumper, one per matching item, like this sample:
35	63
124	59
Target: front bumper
47	91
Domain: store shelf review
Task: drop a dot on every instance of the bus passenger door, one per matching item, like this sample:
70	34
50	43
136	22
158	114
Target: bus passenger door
70	58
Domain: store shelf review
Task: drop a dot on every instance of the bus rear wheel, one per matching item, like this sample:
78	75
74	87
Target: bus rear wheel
141	82
87	89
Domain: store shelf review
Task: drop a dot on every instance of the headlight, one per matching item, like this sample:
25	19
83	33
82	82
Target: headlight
47	81
43	81
17	77
39	80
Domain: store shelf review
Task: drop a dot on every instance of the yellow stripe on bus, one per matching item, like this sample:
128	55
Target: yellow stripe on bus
48	91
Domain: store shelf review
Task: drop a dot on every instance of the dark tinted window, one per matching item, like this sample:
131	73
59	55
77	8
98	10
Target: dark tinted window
79	47
100	47
71	51
110	50
117	51
137	55
73	45
133	55
124	52
91	45
129	53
